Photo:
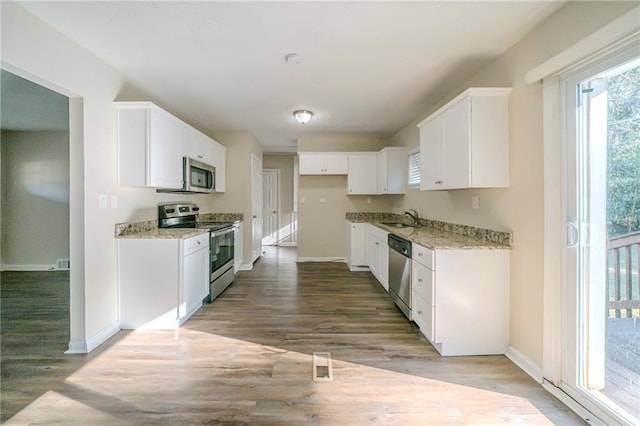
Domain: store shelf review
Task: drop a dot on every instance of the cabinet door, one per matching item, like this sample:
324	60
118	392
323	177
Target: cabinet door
392	171
383	263
382	172
357	244
164	159
457	145
218	160
372	257
362	177
336	164
195	281
432	154
311	164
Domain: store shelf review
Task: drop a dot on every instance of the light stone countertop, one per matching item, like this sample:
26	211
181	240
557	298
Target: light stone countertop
165	234
437	235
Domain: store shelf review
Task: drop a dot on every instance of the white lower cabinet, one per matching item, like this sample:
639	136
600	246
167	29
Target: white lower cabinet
162	282
356	251
377	251
461	299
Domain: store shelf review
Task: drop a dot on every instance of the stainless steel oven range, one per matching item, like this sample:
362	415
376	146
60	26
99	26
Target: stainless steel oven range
221	242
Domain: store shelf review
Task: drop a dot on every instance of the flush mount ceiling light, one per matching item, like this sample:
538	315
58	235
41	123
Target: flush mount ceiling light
302	115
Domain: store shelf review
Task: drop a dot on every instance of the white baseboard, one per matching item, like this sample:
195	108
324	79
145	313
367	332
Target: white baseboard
28	267
321	259
355	268
246	267
524	363
289	244
84	347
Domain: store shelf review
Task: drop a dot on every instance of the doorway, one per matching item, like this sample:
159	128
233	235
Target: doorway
270	210
602	290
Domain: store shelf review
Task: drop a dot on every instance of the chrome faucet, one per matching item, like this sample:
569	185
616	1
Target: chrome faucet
414	216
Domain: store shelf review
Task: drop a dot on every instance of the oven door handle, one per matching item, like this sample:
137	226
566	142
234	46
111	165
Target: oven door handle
223	232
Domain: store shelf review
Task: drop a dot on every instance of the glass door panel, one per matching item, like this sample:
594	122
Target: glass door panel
603	258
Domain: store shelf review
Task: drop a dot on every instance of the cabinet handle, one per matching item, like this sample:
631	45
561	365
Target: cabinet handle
419	254
198	242
419	312
200	156
419	280
377	243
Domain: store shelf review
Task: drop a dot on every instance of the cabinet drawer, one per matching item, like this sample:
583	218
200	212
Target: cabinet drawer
424	256
422	281
195	243
423	313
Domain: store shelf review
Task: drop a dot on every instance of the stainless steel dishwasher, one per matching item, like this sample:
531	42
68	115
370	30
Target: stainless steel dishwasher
400	273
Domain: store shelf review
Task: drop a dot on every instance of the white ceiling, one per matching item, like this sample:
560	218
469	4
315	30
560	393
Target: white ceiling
369	67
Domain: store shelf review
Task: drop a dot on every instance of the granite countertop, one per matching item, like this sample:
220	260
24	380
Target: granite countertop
148	229
437	235
165	234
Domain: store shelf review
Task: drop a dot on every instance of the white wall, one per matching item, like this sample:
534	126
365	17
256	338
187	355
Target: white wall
35	194
33	50
321	225
518	208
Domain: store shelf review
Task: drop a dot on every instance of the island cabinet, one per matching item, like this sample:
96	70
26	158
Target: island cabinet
377	252
465	144
162	282
460	299
149	146
323	163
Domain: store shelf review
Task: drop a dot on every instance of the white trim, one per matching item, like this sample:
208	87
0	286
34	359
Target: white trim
354	268
524	363
609	36
554	229
86	346
246	267
30	268
288	244
77	347
321	259
577	408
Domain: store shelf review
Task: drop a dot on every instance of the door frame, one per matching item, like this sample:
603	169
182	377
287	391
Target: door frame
557	131
77	316
278	210
256	207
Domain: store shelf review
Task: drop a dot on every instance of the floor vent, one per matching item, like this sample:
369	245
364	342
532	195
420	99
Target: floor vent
322	371
62	264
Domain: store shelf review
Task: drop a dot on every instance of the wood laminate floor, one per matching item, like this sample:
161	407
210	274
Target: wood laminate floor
247	359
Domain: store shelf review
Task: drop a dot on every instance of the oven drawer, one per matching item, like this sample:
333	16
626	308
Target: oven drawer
195	243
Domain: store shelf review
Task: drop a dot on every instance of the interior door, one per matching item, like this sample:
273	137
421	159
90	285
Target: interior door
256	207
602	302
270	234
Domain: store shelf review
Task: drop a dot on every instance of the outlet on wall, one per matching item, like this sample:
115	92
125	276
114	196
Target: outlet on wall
475	202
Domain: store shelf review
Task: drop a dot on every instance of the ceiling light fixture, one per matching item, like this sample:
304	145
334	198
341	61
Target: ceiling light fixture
302	115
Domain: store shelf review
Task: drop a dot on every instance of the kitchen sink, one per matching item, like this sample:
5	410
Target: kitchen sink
398	225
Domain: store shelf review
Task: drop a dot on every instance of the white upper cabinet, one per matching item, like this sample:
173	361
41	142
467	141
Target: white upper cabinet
362	173
196	145
392	171
465	144
323	163
149	142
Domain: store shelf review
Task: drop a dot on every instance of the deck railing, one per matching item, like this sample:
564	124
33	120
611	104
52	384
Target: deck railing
624	279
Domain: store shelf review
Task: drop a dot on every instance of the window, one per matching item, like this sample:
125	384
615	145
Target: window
414	168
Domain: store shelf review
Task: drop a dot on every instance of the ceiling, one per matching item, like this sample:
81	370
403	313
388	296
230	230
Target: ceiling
369	67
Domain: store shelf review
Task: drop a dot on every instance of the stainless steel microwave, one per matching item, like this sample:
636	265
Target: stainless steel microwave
198	176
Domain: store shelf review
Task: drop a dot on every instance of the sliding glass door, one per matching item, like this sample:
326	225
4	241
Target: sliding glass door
602	292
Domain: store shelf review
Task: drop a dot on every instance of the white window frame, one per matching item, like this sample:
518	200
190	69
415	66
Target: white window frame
410	155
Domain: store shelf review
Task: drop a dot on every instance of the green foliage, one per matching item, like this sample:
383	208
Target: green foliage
623	159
